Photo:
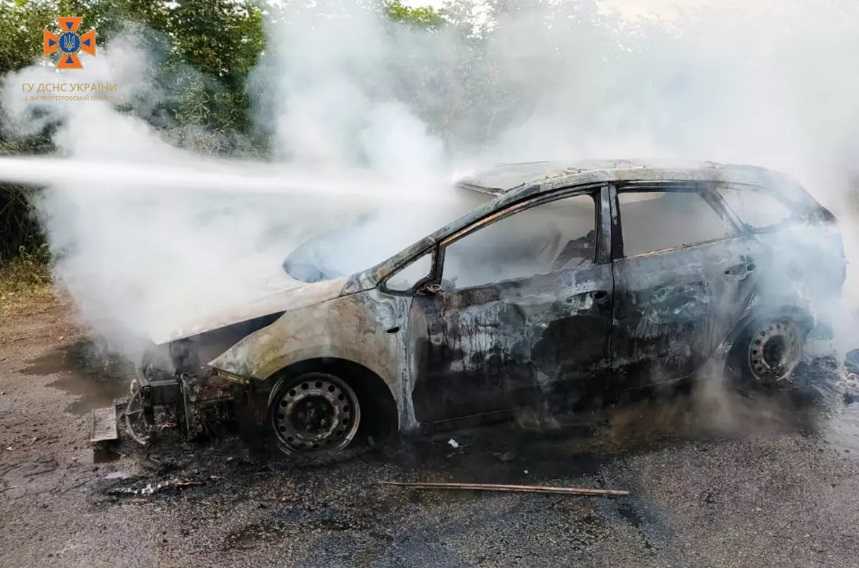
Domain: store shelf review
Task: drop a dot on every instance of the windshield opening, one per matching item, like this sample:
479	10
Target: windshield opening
371	238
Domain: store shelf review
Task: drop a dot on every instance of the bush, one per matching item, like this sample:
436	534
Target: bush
19	229
25	281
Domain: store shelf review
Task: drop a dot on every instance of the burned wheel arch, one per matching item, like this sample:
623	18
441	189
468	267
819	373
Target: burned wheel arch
347	337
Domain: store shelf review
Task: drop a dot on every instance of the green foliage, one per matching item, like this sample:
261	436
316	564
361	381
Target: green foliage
208	47
21	23
421	16
211	46
19	229
18	226
204	50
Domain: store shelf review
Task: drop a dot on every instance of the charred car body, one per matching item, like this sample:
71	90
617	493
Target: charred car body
572	286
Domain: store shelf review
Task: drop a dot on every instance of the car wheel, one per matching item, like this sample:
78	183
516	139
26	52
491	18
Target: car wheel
766	353
314	414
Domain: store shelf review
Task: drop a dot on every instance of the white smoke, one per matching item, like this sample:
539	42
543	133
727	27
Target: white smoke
151	235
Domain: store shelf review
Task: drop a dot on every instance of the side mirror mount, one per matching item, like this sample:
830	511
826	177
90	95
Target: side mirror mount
430	289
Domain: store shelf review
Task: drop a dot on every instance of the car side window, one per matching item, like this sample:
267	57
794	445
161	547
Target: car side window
659	220
546	238
408	276
756	208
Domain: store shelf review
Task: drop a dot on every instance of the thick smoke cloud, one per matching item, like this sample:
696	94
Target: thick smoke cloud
341	90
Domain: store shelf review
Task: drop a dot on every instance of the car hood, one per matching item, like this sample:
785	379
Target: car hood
287	299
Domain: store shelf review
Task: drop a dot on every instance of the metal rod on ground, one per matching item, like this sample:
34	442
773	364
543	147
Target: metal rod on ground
509	488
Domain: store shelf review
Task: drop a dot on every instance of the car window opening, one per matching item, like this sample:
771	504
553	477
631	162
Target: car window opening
757	209
666	220
550	237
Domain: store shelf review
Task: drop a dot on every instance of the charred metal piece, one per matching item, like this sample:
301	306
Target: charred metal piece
104	425
205	401
501	488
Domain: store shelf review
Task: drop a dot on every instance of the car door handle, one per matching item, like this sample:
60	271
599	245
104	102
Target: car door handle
740	269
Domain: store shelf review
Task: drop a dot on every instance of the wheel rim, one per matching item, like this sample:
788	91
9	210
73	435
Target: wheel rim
317	412
774	351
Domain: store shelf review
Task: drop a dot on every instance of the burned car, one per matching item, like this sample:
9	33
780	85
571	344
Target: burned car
572	286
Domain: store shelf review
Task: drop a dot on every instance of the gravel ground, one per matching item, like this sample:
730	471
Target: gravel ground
715	480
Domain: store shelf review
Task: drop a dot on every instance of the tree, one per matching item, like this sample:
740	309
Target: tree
20	31
207	48
421	16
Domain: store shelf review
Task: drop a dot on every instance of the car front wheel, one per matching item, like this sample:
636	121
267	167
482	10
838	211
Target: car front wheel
314	414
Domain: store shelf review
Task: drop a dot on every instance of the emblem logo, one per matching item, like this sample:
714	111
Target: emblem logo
67	43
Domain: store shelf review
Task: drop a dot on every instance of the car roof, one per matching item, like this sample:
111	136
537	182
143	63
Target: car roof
507	178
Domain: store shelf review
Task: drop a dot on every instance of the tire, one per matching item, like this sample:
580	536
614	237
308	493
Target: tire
766	354
314	417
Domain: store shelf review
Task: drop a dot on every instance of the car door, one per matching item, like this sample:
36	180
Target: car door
522	307
682	277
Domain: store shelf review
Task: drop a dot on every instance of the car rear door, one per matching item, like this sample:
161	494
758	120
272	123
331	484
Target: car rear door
522	311
682	278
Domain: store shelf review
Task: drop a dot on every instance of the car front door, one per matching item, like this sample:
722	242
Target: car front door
682	277
521	309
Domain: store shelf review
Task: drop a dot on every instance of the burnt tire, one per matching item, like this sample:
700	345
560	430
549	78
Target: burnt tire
314	417
766	353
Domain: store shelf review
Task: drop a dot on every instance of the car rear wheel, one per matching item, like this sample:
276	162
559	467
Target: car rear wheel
314	414
766	353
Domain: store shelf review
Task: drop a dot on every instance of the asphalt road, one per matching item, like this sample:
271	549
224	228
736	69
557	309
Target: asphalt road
715	480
